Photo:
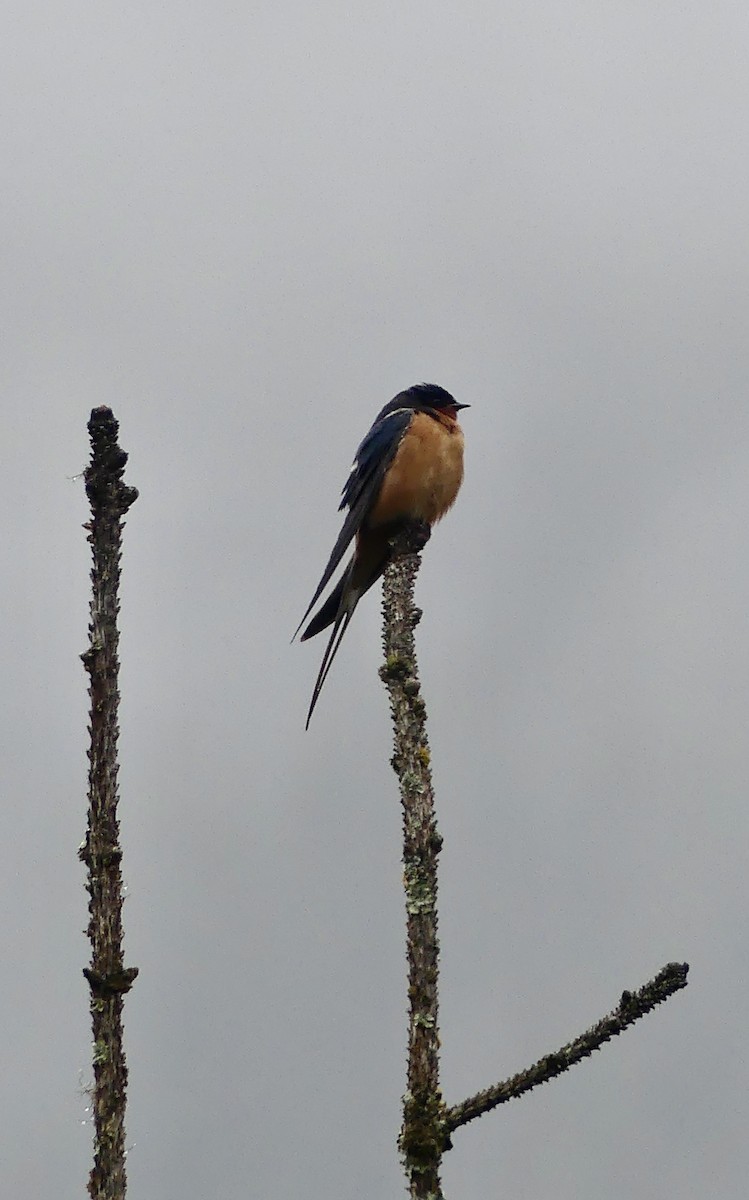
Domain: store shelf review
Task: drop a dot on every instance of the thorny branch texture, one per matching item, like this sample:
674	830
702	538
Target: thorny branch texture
633	1005
427	1122
107	976
421	1137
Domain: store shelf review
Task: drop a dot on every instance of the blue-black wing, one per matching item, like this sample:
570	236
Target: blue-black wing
361	489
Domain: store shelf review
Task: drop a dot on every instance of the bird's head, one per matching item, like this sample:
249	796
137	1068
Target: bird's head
423	396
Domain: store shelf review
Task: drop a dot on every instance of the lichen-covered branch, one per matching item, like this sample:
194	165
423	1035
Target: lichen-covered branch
427	1122
107	975
422	1134
632	1006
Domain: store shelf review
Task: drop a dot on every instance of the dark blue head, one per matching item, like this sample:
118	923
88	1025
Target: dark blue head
429	395
423	397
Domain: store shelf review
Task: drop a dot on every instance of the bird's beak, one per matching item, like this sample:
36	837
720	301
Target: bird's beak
458	407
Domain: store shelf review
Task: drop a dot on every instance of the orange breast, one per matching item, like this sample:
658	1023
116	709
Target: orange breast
425	475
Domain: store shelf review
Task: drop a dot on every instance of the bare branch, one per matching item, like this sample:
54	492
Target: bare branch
107	976
421	1139
427	1122
632	1006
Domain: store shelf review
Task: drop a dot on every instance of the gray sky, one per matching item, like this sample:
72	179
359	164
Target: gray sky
245	228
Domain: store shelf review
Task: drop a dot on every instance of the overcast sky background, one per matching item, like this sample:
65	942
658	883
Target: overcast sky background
245	227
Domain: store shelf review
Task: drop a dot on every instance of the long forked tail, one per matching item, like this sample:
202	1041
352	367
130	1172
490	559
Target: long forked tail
328	611
340	625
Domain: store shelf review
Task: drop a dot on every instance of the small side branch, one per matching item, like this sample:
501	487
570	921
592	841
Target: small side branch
107	976
632	1006
421	1139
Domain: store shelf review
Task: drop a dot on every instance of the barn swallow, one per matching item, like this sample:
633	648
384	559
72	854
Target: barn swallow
408	468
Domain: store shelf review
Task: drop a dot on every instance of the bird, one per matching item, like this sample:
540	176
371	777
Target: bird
407	469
